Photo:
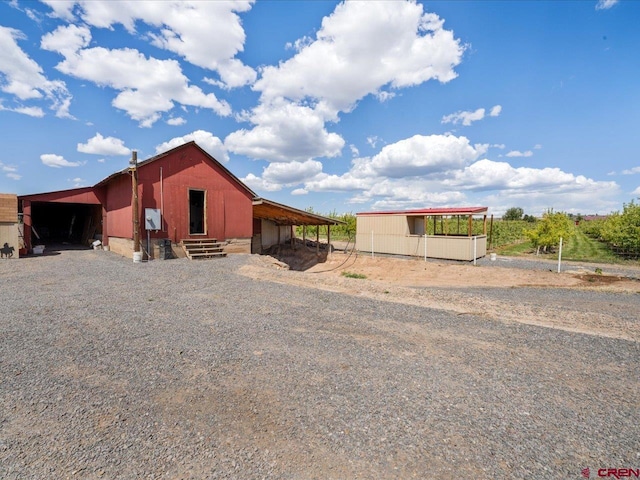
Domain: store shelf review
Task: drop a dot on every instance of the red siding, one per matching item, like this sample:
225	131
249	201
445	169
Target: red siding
229	204
87	195
118	207
229	209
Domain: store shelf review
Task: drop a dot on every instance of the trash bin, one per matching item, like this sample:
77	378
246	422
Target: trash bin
166	253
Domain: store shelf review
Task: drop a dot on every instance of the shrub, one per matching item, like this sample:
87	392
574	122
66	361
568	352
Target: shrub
550	230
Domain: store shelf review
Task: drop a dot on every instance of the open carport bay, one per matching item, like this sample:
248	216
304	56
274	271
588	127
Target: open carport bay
180	369
65	222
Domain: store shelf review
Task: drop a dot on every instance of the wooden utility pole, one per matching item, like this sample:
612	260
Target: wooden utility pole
134	201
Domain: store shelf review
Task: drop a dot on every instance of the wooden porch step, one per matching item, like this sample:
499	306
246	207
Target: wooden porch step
203	248
198	241
207	254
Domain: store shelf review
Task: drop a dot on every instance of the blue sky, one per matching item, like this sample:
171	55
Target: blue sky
339	106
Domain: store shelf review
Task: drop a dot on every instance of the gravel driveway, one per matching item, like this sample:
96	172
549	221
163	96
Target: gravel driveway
185	369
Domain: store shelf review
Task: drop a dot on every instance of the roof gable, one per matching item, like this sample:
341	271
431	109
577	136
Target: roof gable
185	146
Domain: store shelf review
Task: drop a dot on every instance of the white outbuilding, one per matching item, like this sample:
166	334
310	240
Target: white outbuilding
446	233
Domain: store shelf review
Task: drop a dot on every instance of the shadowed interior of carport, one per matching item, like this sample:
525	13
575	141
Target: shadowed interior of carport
274	222
72	223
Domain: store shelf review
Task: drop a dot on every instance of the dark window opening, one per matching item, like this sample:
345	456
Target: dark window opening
197	212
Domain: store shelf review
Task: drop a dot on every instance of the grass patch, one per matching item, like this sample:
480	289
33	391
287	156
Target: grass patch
583	248
353	275
515	249
580	248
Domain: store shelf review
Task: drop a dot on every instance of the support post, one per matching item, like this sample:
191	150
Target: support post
491	233
317	239
329	238
27	224
470	224
134	201
372	244
425	247
475	249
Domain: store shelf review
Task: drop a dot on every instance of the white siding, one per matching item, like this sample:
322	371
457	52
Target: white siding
270	233
391	234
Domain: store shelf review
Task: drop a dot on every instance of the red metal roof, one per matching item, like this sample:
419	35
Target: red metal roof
433	211
189	144
84	195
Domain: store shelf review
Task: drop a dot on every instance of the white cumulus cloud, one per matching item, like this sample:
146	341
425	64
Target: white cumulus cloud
99	145
286	132
206	140
24	78
57	161
10	171
466	118
208	34
517	153
291	173
605	4
362	48
148	86
258	183
419	155
176	121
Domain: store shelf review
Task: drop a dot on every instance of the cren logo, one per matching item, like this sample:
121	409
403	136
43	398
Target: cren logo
619	472
586	473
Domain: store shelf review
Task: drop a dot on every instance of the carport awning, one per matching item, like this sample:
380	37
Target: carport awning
285	215
443	211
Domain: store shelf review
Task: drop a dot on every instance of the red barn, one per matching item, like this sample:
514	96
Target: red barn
192	194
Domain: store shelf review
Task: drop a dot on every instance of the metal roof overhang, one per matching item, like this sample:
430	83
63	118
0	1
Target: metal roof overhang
434	211
82	195
285	215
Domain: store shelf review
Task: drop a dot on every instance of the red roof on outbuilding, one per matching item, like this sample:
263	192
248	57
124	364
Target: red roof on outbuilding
433	211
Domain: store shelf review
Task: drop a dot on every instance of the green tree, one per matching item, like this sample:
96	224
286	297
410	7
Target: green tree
550	229
513	213
622	230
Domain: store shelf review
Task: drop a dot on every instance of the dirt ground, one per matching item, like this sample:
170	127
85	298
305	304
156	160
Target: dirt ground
443	285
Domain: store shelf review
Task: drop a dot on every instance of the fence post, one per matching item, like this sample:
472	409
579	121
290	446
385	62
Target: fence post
372	244
560	255
475	249
425	247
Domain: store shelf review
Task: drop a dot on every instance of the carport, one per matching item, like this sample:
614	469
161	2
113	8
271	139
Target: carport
68	216
274	223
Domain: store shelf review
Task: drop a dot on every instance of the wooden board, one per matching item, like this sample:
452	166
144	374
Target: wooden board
8	208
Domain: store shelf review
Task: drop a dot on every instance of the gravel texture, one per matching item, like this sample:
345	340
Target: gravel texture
185	369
